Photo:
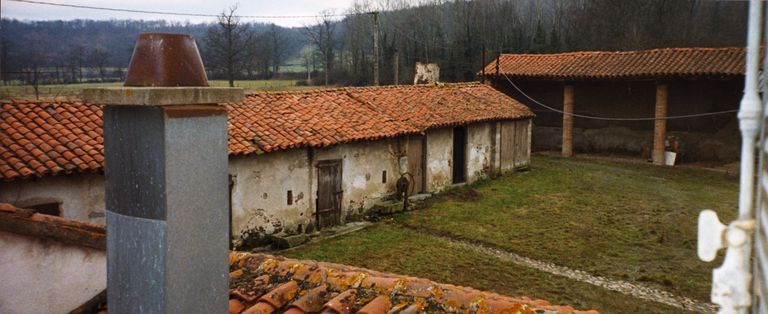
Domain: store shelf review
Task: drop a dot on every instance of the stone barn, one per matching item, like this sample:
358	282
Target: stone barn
299	161
704	83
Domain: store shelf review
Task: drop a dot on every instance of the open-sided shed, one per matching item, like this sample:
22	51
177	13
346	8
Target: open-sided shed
629	102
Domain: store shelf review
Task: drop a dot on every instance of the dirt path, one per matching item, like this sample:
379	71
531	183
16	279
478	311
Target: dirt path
624	287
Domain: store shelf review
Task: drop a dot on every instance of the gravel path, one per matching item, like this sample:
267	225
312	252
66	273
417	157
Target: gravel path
624	287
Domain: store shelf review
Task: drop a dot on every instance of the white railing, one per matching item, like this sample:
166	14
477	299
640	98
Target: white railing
732	283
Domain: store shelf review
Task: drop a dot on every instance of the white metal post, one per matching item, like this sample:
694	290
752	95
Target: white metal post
731	282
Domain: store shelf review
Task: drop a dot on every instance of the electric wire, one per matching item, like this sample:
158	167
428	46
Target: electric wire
77	6
615	119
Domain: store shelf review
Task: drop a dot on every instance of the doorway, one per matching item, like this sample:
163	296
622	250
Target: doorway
459	154
329	193
416	162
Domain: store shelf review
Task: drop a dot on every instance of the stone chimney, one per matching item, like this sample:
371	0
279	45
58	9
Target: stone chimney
427	73
166	166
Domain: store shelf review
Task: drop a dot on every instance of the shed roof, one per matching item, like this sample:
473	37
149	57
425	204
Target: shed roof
39	138
665	63
261	283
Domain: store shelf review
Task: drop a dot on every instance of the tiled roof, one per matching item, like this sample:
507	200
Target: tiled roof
432	106
262	283
646	64
271	121
26	222
39	138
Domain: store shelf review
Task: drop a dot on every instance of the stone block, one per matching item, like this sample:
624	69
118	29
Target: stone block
286	242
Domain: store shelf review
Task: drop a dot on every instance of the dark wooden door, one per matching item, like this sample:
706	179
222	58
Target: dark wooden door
329	193
459	154
416	162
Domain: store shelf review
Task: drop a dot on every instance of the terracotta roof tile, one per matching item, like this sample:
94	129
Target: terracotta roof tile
317	287
646	64
39	138
432	106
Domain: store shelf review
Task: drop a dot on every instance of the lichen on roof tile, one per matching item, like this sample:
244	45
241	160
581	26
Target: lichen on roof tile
326	287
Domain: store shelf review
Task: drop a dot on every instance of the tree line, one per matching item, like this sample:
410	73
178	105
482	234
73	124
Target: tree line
56	52
459	35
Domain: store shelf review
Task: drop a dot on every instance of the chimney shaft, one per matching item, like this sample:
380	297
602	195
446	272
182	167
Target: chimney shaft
427	73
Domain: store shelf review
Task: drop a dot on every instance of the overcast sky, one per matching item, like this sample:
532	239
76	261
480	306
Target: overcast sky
29	11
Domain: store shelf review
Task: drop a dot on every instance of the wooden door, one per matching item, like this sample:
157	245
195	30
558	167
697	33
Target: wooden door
329	193
507	146
415	151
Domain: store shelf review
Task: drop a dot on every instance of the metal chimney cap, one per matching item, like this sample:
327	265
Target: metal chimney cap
165	60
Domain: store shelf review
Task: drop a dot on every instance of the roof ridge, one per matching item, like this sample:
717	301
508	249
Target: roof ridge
598	52
353	88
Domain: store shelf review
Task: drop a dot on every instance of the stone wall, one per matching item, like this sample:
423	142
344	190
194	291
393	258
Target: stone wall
439	172
481	145
260	195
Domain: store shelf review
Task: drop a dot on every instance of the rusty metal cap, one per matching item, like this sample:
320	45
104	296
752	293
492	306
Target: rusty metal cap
162	59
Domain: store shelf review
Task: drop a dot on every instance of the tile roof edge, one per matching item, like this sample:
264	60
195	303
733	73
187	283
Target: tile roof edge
25	222
619	52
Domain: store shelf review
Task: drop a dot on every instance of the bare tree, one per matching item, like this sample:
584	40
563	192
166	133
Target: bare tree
277	45
227	43
322	36
76	57
99	59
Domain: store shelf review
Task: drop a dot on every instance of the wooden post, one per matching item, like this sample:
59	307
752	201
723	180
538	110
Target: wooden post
482	69
396	68
660	125
568	121
375	48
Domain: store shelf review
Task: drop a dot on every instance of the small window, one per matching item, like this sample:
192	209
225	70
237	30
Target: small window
52	209
384	176
290	197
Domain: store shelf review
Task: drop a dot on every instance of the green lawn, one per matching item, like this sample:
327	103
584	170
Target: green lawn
624	221
75	90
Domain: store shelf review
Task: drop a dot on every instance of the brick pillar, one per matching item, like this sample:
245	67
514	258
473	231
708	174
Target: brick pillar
568	121
166	183
660	125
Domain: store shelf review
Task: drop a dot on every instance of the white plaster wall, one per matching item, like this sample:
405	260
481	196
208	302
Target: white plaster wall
362	167
259	195
46	276
82	196
439	159
480	137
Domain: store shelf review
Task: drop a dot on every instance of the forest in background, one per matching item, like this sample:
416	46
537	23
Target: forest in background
452	34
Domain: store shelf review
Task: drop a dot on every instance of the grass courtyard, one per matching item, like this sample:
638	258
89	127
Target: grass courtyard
629	222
